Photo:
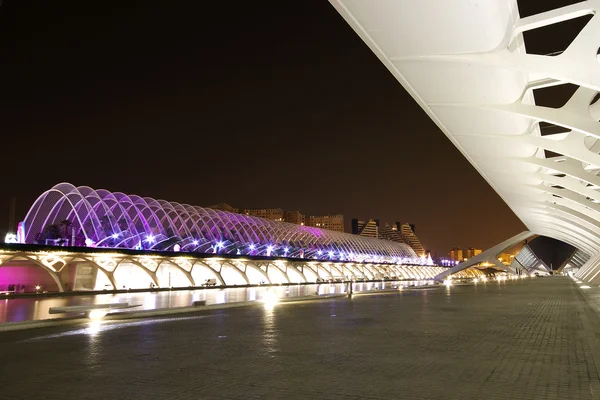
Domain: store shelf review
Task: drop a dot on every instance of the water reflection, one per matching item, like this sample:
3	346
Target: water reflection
269	337
252	294
94	328
15	310
94	343
220	297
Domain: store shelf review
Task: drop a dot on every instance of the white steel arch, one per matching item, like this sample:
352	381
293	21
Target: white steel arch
466	64
99	218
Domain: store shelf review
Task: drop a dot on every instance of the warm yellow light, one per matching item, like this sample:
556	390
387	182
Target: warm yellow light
97	314
270	300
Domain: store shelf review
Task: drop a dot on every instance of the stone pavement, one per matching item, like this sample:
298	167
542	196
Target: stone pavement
531	339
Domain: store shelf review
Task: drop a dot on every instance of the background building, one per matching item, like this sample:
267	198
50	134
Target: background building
456	254
330	222
460	255
410	237
390	232
368	228
399	233
294	217
471	252
223	207
274	214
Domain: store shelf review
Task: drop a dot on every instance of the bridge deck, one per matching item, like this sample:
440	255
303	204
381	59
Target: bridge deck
529	339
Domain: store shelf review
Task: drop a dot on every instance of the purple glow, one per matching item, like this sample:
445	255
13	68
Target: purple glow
21	232
25	278
158	223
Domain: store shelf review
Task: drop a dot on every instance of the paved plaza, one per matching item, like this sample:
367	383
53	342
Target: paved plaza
531	339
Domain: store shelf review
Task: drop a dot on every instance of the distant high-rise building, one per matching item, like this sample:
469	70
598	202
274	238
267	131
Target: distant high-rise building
399	233
456	254
388	232
408	235
329	222
223	207
368	228
274	214
294	217
471	252
460	255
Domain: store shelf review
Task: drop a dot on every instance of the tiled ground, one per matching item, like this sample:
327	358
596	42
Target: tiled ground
530	339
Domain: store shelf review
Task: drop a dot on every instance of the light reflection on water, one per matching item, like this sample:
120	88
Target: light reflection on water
24	309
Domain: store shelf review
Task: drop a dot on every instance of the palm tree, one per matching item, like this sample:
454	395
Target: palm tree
66	225
51	231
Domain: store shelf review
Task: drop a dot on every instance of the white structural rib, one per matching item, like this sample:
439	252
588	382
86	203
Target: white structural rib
465	63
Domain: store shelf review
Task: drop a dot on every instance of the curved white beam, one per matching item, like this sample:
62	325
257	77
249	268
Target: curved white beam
466	64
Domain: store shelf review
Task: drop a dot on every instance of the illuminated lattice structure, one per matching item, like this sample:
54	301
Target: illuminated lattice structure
63	269
99	218
467	65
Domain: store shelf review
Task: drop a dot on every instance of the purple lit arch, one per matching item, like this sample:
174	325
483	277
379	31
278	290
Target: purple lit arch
115	220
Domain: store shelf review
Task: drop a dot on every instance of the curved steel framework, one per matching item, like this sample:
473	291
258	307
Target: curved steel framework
466	64
99	218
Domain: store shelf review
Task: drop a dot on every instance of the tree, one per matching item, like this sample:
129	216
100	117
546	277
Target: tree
66	227
51	231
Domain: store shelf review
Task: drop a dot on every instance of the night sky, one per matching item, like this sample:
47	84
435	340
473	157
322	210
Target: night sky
257	104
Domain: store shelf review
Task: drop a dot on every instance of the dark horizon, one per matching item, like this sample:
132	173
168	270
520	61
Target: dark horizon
257	105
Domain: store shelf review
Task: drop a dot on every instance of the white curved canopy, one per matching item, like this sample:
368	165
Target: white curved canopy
466	65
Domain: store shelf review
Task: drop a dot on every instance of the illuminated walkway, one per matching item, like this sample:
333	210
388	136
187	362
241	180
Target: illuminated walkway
59	269
529	339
